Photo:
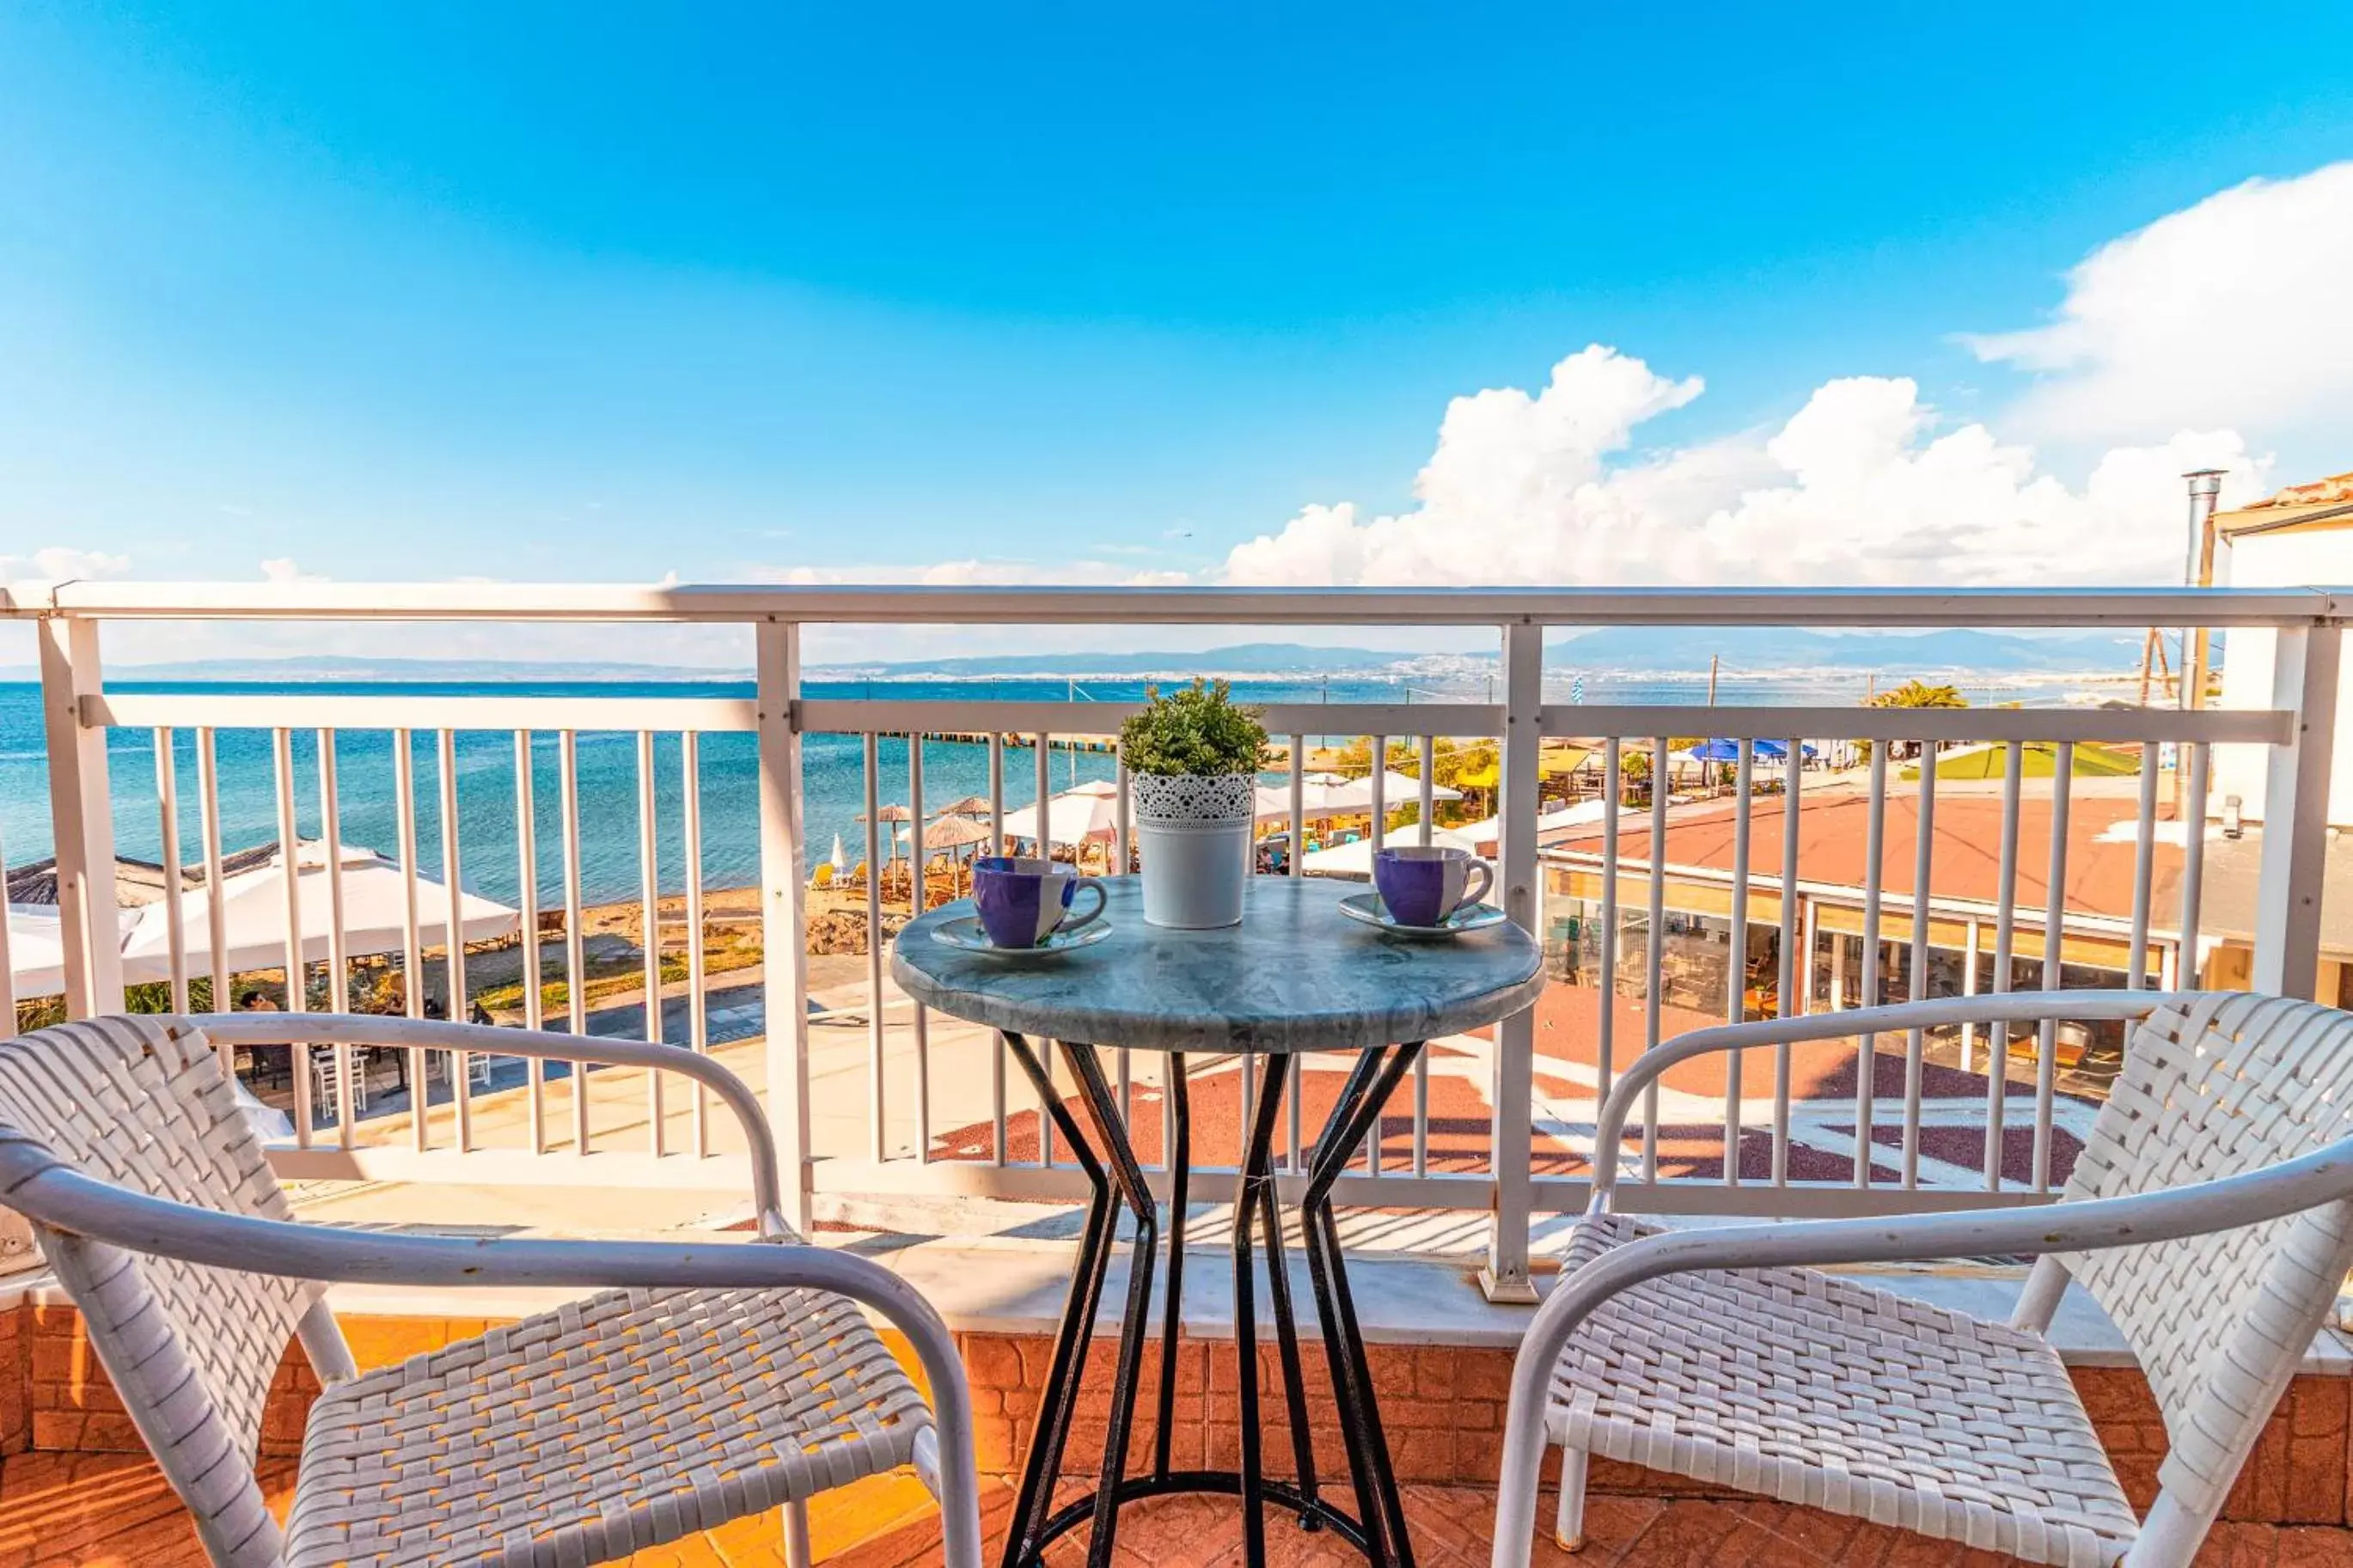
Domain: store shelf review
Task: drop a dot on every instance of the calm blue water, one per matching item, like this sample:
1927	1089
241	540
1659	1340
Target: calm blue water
608	783
833	777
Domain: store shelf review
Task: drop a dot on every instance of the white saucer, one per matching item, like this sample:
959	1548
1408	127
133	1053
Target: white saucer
1368	908
966	934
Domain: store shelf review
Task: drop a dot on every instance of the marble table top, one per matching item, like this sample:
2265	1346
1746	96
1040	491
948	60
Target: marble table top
1295	975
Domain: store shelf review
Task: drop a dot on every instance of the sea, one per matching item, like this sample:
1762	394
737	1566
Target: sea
832	769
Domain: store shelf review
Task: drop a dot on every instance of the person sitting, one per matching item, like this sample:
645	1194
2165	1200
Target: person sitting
255	1002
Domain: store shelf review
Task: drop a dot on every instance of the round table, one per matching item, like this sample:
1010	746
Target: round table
1295	975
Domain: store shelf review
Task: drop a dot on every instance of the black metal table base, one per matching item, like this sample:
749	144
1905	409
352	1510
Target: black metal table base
1377	1526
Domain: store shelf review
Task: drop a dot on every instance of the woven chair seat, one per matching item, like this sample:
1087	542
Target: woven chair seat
614	1424
1812	1389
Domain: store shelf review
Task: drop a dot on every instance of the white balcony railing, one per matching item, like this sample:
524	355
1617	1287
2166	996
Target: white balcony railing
870	1095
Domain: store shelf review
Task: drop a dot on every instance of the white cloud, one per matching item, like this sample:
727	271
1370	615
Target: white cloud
60	563
1861	485
2233	311
282	569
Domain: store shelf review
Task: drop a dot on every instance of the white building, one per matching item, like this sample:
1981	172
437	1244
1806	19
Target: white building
2301	536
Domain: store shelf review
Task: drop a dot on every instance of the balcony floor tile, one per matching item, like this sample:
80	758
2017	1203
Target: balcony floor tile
112	1511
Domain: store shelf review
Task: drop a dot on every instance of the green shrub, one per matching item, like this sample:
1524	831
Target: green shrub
1197	730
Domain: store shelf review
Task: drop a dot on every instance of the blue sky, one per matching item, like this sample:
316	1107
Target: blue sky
580	292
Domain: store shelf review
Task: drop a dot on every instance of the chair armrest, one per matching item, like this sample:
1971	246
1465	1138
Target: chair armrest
486	1039
2089	1224
34	1183
2008	1007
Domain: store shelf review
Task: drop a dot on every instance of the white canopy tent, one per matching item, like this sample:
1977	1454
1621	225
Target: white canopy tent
1345	798
1356	860
374	915
36	951
1087	814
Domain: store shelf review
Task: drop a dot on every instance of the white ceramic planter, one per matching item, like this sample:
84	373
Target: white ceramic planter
1194	832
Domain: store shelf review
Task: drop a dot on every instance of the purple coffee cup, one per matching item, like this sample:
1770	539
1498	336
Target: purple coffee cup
1421	885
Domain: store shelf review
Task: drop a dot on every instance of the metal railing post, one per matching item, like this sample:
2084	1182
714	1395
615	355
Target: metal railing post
784	907
2296	814
82	814
1505	1277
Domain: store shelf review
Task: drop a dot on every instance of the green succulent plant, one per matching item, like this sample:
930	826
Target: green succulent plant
1197	728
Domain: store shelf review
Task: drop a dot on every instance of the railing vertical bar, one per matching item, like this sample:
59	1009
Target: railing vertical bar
1796	971
1046	852
568	777
412	940
176	918
1923	857
575	939
215	901
1298	851
1123	820
1866	1047
1377	748
7	959
2144	866
1655	954
649	926
331	835
1735	1006
1429	801
453	936
996	1040
698	1015
1971	946
2005	934
527	883
2190	966
289	847
1606	1024
919	894
2055	936
1296	1069
875	1081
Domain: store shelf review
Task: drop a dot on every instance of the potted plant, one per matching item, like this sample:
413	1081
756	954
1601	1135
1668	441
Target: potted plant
1193	756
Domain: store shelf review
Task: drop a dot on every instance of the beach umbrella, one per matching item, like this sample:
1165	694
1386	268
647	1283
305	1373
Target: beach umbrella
253	904
841	861
891	813
1713	751
970	805
1356	860
955	832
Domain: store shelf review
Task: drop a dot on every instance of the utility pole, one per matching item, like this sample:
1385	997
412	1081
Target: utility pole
1711	661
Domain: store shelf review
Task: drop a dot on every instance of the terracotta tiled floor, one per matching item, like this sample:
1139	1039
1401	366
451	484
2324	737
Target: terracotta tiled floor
108	1510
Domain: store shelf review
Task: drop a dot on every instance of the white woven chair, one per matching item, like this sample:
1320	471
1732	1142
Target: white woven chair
2208	1213
718	1381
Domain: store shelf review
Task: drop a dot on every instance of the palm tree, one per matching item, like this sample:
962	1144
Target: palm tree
1914	693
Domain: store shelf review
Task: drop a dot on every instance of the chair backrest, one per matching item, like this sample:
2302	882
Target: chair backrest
141	1102
2215	1085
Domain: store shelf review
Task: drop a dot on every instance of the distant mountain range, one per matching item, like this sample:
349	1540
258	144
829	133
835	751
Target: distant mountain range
1761	648
1744	650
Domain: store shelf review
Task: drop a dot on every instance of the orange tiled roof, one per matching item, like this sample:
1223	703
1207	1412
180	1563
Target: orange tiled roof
2330	491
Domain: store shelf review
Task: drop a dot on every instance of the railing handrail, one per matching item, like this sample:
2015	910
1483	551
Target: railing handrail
877	603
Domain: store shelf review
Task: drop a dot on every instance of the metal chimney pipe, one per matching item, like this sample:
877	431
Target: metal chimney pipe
2205	489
